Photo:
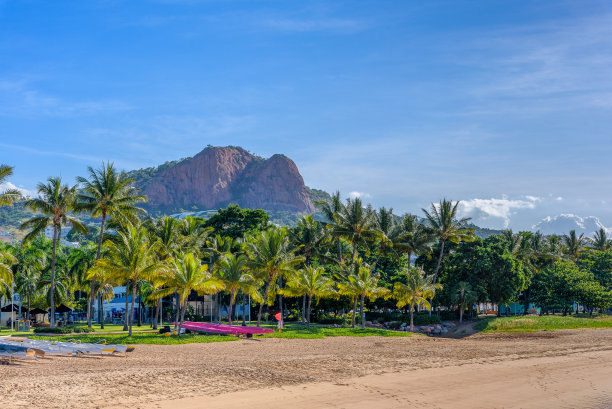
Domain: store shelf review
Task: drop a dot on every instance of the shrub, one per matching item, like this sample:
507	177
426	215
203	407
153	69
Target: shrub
68	329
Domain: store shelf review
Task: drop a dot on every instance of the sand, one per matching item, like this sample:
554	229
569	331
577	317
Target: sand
561	369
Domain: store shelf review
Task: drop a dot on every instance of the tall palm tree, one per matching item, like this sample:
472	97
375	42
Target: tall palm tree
356	224
331	209
55	202
6	273
107	193
7	196
362	283
270	255
600	240
233	274
187	274
463	296
310	282
417	290
129	258
388	232
444	224
574	244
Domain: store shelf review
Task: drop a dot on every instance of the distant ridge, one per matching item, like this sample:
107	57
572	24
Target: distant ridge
218	176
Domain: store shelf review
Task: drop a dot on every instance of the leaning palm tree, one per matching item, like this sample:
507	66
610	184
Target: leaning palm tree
7	196
129	258
6	273
362	283
271	257
233	274
187	274
310	282
417	290
55	202
443	223
574	244
601	241
463	296
107	193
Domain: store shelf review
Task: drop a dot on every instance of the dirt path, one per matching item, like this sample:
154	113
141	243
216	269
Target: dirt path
159	375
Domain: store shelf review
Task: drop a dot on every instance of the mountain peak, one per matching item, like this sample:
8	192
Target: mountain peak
218	176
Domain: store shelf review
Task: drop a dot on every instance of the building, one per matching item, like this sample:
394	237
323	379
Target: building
6	237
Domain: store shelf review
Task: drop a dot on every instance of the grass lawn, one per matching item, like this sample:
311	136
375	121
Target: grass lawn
543	323
291	331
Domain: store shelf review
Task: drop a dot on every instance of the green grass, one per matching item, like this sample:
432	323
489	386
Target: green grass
291	331
543	323
297	331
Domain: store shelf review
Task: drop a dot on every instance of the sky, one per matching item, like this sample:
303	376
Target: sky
505	105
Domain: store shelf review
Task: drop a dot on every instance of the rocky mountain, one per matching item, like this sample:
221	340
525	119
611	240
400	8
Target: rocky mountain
218	176
563	223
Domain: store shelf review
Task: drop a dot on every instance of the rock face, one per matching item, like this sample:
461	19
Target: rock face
218	176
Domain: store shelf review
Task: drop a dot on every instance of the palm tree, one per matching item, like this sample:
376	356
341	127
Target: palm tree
463	296
310	282
272	258
388	232
574	244
356	224
7	196
600	240
362	283
417	290
187	274
311	240
30	261
6	273
443	223
413	238
107	193
129	258
331	209
55	201
232	273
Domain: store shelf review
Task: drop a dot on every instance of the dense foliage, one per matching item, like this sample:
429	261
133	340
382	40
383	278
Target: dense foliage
351	264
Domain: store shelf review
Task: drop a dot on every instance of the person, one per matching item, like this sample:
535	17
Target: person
8	322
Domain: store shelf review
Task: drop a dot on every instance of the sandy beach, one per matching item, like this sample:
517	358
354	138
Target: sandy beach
561	369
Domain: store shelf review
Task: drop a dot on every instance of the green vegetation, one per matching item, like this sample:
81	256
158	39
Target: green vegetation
357	259
68	329
142	338
543	323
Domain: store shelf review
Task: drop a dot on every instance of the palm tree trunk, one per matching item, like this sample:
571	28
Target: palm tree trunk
308	313
126	318
280	299
460	313
182	318
362	312
229	317
93	283
243	310
411	318
265	301
52	298
354	310
177	317
304	309
139	306
132	308
100	312
157	313
435	278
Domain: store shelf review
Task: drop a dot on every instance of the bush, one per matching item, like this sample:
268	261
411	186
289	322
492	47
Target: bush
68	329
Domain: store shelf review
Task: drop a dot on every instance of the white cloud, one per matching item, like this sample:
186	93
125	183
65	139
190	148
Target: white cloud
361	195
9	186
501	209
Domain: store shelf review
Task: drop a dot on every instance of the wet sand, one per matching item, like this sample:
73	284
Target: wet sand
542	369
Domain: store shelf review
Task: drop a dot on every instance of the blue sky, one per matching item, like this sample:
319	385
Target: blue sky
506	105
